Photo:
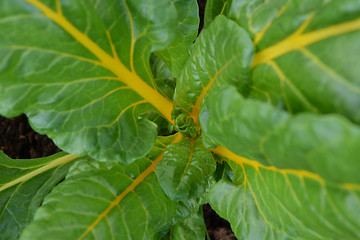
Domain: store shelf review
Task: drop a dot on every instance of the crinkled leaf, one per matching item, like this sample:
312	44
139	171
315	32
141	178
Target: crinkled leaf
277	204
107	200
217	55
80	71
192	227
23	185
185	169
186	28
306	53
326	145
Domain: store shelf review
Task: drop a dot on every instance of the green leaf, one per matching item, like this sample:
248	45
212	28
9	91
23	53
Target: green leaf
80	71
325	145
217	55
162	76
214	8
23	185
186	28
107	200
185	170
275	204
305	53
192	227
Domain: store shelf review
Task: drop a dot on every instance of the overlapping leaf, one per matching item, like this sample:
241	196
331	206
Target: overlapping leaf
214	8
186	169
273	204
326	145
23	185
107	201
306	52
187	26
310	184
216	57
80	71
192	227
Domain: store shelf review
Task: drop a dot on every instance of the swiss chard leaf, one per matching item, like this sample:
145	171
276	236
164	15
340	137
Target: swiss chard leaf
23	185
192	227
273	137
275	204
186	28
302	176
305	53
97	81
107	200
186	169
217	57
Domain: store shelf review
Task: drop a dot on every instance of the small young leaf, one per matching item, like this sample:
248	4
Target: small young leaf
185	169
192	228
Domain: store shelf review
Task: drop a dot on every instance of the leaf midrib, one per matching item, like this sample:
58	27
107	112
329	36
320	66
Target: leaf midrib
57	162
300	39
129	189
130	78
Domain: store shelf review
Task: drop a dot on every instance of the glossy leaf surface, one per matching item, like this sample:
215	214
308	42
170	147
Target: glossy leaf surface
23	185
217	57
272	204
186	28
185	170
192	227
96	80
326	145
305	53
107	201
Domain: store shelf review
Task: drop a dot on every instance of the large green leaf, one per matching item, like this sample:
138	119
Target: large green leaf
107	200
217	57
186	28
305	53
274	204
23	185
301	181
326	145
186	169
80	71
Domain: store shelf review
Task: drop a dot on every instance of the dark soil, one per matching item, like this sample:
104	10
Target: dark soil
18	140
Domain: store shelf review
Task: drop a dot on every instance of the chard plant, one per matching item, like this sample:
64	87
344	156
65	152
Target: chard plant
258	116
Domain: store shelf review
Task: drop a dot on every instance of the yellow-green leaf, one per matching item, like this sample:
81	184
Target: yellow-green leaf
80	71
23	185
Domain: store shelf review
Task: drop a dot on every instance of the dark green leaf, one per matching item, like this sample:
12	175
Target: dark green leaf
23	185
107	200
186	28
80	71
